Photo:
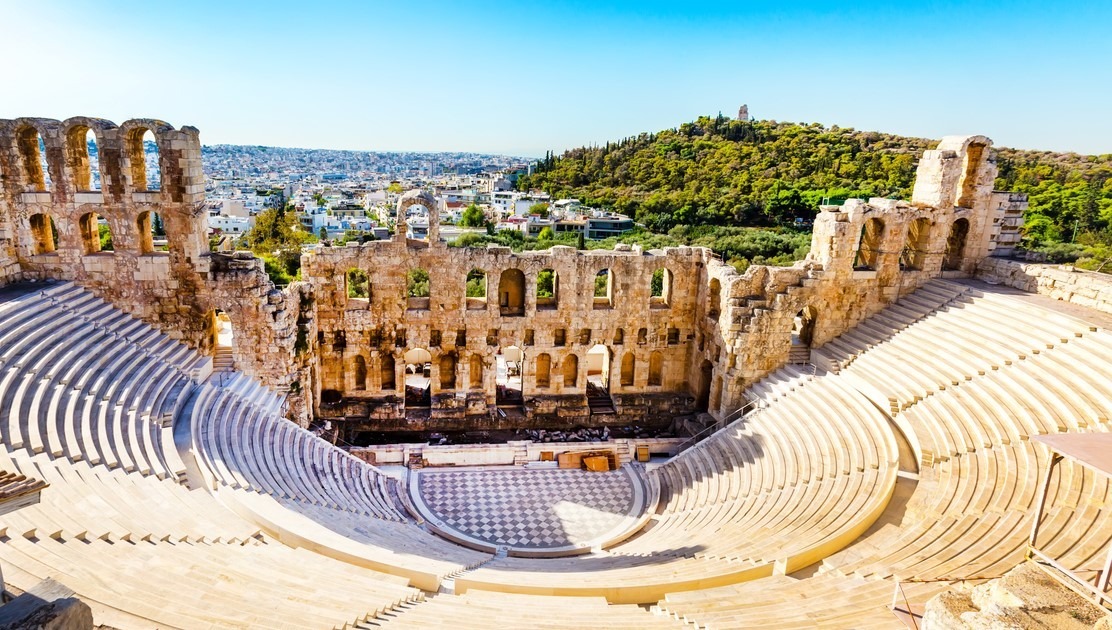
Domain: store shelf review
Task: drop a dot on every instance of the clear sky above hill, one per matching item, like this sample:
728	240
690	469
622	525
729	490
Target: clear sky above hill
525	77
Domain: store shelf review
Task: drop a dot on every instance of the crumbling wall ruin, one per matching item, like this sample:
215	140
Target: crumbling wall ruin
338	341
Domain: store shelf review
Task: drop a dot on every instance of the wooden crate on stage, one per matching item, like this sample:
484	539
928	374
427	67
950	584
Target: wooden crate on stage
575	459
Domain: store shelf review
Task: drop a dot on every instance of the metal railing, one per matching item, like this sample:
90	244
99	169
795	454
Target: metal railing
752	404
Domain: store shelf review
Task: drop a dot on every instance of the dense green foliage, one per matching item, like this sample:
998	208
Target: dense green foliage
718	171
1070	196
105	235
476	284
546	283
358	284
472	217
277	238
417	283
722	172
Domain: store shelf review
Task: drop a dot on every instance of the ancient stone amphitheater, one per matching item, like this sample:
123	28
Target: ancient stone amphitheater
876	414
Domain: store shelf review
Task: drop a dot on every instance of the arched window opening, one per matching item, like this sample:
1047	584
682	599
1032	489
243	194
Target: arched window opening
511	293
619	336
915	248
143	155
571	371
508	366
955	245
475	372
387	371
83	157
358	284
868	246
972	164
418	370
656	369
714	299
43	234
417	289
604	288
418	217
360	372
642	336
629	366
544	370
448	371
158	233
660	288
96	236
32	152
803	328
476	289
548	289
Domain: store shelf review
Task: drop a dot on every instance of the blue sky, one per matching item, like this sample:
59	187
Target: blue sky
521	79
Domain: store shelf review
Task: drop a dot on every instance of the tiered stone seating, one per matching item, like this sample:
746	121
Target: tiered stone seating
82	380
304	490
246	446
778	490
970	513
88	396
477	610
87	401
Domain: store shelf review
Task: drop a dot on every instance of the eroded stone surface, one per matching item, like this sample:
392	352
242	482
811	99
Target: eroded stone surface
1024	598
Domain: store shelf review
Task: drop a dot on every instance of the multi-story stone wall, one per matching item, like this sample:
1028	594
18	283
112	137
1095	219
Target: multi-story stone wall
338	340
49	210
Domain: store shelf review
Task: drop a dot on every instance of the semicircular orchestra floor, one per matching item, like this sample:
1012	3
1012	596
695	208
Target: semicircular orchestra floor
550	511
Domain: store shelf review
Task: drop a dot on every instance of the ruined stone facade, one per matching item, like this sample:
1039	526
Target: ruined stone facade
340	350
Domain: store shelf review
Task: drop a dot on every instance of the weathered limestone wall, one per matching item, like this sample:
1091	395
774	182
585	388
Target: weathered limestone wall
854	268
464	335
1061	282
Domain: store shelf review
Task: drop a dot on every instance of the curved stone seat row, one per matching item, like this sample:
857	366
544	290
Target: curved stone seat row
254	584
476	609
957	340
245	446
84	381
87	401
789	475
970	512
777	490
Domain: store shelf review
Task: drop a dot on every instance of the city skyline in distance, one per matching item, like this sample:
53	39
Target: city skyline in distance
525	80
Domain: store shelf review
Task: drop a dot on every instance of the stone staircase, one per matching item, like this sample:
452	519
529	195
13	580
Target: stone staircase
223	360
599	401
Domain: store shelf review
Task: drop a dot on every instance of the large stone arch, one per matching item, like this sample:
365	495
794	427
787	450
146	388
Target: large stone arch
25	166
132	164
417	198
77	163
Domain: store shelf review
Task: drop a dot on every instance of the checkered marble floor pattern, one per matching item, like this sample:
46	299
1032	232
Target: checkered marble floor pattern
533	509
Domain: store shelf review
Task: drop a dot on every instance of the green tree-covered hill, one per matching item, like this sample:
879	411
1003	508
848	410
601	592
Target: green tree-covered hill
723	172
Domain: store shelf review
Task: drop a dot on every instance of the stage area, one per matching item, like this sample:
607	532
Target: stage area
531	512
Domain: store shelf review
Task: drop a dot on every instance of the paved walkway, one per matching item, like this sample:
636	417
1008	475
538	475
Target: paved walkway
530	509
